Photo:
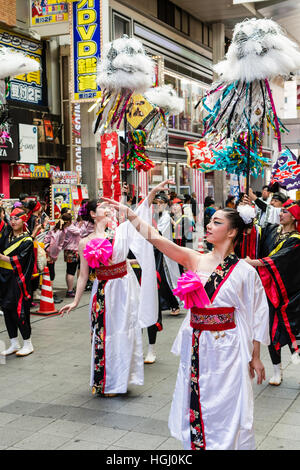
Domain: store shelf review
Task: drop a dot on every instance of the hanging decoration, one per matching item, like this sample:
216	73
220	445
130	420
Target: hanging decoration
200	156
168	103
14	63
166	98
286	171
110	171
136	155
139	112
241	102
125	69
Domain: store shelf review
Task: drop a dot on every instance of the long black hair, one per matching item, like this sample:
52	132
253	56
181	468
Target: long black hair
89	206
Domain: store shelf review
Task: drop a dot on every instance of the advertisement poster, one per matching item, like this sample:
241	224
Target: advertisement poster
61	196
28	143
26	87
85	49
48	12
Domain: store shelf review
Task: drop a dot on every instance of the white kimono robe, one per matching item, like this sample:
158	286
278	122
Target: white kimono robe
226	395
129	307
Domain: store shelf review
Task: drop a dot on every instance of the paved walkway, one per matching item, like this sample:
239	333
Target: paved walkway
46	401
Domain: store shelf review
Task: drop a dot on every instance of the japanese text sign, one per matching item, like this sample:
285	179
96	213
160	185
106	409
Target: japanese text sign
48	12
85	49
27	87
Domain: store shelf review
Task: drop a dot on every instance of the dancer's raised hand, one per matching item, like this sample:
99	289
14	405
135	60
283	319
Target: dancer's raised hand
160	187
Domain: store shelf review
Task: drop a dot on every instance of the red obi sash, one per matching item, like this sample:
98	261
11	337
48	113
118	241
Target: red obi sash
114	271
212	319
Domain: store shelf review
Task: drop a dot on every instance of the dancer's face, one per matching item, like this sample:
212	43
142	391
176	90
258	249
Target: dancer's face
219	229
286	217
103	211
16	223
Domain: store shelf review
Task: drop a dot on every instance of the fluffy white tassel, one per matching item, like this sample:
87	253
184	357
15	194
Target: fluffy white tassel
259	50
125	65
165	97
15	63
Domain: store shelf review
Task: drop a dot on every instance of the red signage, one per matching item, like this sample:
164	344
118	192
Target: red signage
111	172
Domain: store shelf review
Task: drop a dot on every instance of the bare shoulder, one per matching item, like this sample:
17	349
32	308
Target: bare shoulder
82	243
204	262
198	261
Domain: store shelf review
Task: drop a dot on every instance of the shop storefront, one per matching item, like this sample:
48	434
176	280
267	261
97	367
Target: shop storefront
36	141
31	179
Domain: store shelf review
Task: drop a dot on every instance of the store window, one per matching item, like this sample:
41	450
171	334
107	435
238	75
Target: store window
173	15
156	175
121	26
190	120
184	180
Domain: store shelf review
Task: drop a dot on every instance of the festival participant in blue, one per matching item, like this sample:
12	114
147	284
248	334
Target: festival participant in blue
219	340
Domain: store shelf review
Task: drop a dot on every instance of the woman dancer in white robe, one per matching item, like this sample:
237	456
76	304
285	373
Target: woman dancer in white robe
212	405
118	310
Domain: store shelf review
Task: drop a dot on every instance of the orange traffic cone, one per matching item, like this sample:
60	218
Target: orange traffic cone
46	301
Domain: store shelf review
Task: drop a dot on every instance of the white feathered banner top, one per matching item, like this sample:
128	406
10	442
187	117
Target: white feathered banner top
125	65
14	63
259	50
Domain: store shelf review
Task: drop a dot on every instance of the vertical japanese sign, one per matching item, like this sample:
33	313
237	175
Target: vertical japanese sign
26	87
85	48
76	139
111	172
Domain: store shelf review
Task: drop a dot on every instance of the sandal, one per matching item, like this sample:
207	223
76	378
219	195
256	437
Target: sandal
175	311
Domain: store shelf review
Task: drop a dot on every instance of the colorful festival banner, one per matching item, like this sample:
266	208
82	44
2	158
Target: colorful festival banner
48	12
26	87
85	48
199	155
286	171
111	172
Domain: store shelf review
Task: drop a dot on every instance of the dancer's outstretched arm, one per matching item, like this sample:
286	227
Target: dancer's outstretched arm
81	282
184	256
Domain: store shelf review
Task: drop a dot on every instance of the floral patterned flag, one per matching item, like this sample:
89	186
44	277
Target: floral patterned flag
200	156
286	171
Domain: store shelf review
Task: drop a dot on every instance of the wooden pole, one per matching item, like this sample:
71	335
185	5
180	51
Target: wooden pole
249	142
125	147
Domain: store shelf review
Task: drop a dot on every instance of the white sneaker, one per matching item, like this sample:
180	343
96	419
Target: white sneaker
14	347
295	358
27	348
277	377
151	356
1	313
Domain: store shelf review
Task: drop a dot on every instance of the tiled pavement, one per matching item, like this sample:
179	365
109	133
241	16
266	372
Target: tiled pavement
46	402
